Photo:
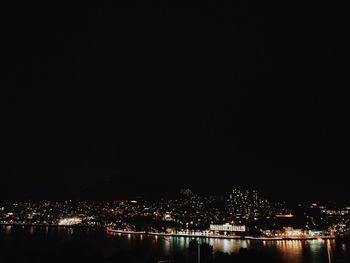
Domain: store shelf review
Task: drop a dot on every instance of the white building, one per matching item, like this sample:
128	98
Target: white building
69	221
228	228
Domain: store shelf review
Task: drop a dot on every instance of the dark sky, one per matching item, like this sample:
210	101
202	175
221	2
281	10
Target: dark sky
121	99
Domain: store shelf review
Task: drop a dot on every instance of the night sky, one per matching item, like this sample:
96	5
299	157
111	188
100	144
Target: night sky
122	99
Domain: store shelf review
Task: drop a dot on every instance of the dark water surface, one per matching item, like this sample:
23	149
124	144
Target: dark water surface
39	244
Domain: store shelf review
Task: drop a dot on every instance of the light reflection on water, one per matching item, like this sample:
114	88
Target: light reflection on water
8	230
316	247
227	245
291	251
167	245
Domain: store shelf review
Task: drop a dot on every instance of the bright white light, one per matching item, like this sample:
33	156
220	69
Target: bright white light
69	221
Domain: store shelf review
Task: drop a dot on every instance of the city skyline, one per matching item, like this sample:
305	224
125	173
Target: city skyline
239	213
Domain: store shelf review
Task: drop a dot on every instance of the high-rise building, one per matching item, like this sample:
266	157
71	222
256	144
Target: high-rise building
245	203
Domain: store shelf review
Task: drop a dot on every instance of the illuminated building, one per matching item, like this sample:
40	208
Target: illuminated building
227	228
242	203
69	221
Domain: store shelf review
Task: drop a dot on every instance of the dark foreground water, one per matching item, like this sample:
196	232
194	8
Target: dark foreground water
59	244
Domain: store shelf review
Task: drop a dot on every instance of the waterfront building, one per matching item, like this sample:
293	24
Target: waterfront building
227	229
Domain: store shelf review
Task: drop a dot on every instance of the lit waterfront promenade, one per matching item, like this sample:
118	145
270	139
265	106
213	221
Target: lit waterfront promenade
199	235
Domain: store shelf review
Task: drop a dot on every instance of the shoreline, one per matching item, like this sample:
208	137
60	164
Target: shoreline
125	232
116	231
49	225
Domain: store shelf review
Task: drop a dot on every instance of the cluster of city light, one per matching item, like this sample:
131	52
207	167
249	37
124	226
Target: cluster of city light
285	215
191	214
